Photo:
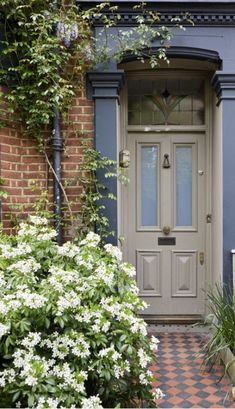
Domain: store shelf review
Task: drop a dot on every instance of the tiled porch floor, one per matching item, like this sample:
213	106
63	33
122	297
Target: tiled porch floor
181	378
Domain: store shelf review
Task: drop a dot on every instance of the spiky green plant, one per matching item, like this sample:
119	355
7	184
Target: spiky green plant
222	321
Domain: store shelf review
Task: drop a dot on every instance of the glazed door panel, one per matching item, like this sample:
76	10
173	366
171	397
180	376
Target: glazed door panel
165	220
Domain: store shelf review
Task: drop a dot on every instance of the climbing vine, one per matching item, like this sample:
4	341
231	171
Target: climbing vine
46	46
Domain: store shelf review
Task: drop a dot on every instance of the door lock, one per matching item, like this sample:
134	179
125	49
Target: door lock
201	258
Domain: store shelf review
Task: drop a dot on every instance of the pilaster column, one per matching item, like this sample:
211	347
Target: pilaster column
224	85
104	88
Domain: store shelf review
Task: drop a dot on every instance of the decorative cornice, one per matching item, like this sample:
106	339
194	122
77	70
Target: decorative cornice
104	84
192	53
224	85
199	19
201	13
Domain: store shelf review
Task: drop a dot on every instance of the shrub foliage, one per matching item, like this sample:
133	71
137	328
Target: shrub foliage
69	331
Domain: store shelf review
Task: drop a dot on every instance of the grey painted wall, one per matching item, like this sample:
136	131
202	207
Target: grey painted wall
228	124
220	39
105	87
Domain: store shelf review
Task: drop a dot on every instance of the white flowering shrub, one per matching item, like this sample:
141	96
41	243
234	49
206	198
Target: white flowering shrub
69	331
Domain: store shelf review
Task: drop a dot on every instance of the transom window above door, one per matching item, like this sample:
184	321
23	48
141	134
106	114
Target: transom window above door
166	101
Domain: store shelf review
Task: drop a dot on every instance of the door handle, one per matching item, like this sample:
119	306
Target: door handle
166	230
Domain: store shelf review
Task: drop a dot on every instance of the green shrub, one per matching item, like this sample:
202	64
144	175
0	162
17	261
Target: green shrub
69	331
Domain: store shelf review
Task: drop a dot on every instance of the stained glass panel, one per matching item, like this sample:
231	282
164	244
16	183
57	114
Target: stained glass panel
166	102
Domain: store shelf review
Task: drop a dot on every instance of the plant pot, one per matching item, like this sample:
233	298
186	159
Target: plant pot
227	357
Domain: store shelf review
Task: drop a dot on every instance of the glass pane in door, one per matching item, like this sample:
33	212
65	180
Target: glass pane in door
184	185
149	182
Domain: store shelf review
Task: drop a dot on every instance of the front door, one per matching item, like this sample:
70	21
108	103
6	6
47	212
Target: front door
165	220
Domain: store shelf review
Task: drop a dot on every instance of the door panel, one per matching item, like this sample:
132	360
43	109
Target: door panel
167	202
184	274
149	277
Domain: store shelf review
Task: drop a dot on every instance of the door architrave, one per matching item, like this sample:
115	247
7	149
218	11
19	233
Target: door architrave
207	129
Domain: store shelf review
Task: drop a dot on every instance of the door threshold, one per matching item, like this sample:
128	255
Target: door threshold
173	319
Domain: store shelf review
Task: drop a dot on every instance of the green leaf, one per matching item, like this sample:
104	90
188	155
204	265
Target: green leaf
31	400
16	396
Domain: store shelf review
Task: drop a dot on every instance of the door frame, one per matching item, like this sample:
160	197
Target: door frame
125	129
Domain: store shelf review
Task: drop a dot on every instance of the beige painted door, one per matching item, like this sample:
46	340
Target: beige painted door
165	218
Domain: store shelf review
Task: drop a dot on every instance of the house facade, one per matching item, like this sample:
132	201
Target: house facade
172	128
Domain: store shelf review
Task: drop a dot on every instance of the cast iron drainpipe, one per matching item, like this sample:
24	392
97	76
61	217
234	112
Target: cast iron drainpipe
57	146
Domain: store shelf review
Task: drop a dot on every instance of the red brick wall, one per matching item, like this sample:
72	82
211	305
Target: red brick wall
21	165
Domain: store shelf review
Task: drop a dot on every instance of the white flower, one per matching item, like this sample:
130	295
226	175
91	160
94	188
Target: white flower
31	300
3	308
143	379
2	279
59	278
50	403
158	394
106	326
143	305
45	402
37	220
84	316
64	345
31	380
111	306
85	262
38	232
118	371
116	356
27	230
144	359
104	274
68	249
9	251
129	269
67	301
136	324
32	339
67	377
154	343
23	248
93	402
91	240
110	352
114	251
4	329
7	376
25	266
47	235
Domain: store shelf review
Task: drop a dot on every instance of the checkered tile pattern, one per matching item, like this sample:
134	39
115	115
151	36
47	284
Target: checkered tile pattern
180	375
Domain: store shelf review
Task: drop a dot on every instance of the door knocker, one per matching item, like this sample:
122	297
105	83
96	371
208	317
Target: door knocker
166	163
